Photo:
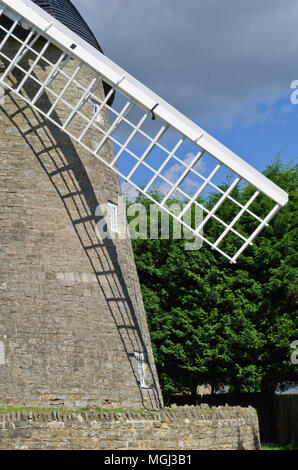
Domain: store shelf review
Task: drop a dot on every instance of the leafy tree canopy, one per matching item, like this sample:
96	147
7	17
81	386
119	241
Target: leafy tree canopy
213	322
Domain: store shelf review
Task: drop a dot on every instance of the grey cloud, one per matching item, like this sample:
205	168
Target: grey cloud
209	58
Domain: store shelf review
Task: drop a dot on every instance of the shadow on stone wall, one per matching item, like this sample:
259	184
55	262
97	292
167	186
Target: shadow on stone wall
62	146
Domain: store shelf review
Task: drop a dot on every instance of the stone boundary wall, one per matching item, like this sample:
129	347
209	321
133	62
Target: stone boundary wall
187	428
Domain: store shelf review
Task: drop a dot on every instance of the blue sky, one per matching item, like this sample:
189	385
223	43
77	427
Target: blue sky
274	130
226	64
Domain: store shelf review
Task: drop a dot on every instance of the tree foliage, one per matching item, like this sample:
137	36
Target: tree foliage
213	322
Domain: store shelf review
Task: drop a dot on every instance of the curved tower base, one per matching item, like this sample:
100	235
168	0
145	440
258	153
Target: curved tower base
72	322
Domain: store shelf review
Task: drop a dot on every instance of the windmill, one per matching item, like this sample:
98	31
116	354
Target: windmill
73	122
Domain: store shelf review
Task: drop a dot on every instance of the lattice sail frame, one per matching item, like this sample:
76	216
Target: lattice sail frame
154	143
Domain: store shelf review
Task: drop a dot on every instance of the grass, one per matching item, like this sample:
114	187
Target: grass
272	446
19	409
35	409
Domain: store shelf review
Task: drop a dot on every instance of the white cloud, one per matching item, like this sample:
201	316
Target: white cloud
175	171
212	59
129	191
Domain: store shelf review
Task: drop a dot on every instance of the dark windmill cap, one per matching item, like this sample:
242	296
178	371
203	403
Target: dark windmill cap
65	12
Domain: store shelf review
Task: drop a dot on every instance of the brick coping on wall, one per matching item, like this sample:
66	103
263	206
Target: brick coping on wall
202	412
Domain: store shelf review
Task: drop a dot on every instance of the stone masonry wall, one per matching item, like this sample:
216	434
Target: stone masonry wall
70	324
190	428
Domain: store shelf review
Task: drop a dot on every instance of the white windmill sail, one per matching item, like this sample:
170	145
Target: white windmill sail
156	147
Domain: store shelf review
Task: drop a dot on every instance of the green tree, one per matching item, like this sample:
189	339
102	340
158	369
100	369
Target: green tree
273	263
213	322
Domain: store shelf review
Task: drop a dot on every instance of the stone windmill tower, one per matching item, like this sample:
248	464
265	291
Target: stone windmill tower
72	320
72	325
